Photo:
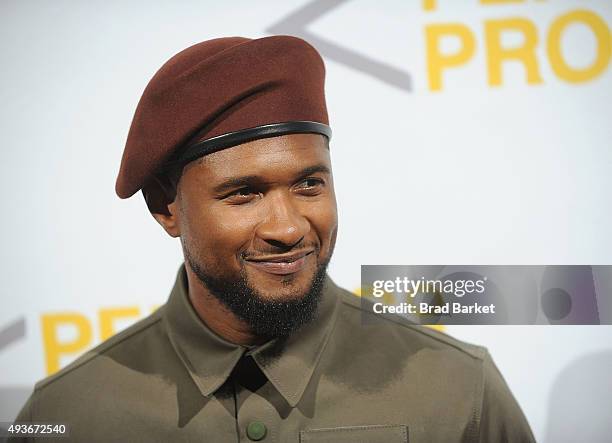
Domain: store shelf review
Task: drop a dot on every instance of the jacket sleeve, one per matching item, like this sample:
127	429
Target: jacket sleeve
501	418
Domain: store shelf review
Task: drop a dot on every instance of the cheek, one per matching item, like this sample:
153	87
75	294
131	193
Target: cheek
325	222
216	234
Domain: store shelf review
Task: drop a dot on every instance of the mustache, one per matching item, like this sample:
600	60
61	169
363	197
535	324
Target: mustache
302	246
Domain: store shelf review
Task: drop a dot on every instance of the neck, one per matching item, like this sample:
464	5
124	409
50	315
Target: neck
216	316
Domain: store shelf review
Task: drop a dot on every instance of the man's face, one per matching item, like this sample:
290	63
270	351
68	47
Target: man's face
263	213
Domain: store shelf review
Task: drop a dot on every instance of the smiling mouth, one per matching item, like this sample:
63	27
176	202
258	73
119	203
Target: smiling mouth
281	264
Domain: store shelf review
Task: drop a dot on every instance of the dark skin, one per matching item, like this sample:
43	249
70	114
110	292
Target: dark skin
266	209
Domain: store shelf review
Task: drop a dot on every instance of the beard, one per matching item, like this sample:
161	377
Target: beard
266	318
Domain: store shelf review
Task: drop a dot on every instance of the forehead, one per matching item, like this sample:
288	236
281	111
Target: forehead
271	157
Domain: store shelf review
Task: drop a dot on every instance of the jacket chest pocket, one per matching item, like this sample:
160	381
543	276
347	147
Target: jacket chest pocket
357	434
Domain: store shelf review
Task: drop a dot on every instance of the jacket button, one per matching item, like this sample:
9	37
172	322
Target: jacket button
256	431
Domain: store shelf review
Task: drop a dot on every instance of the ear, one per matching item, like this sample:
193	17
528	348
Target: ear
161	198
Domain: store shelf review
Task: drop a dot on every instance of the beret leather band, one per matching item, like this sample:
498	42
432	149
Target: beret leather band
220	142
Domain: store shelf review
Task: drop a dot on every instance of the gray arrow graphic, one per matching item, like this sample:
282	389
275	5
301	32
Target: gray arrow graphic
296	22
13	332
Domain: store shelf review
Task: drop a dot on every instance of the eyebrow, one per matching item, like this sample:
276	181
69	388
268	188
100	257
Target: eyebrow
246	180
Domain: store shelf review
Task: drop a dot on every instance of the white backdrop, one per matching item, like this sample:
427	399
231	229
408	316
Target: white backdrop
468	172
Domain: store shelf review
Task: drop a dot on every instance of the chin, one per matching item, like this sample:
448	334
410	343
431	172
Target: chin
282	288
285	292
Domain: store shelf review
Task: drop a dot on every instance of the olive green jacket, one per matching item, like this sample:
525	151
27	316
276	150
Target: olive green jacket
341	378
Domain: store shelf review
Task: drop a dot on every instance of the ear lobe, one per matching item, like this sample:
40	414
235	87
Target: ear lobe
161	201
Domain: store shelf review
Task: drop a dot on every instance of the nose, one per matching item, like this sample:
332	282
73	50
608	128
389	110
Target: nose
282	225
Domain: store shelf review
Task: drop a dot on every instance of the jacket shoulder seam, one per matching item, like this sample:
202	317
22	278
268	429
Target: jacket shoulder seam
101	349
474	351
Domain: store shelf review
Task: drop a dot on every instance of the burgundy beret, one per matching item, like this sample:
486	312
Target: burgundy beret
220	93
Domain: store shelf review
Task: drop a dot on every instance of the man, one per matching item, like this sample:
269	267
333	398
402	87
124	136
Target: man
229	145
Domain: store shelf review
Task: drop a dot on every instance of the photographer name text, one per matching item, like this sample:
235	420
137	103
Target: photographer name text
447	308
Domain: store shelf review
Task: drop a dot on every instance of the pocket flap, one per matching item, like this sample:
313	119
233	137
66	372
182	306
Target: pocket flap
357	434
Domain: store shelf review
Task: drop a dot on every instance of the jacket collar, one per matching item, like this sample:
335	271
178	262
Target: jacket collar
210	359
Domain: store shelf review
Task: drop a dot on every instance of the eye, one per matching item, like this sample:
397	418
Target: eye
243	192
242	195
310	186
